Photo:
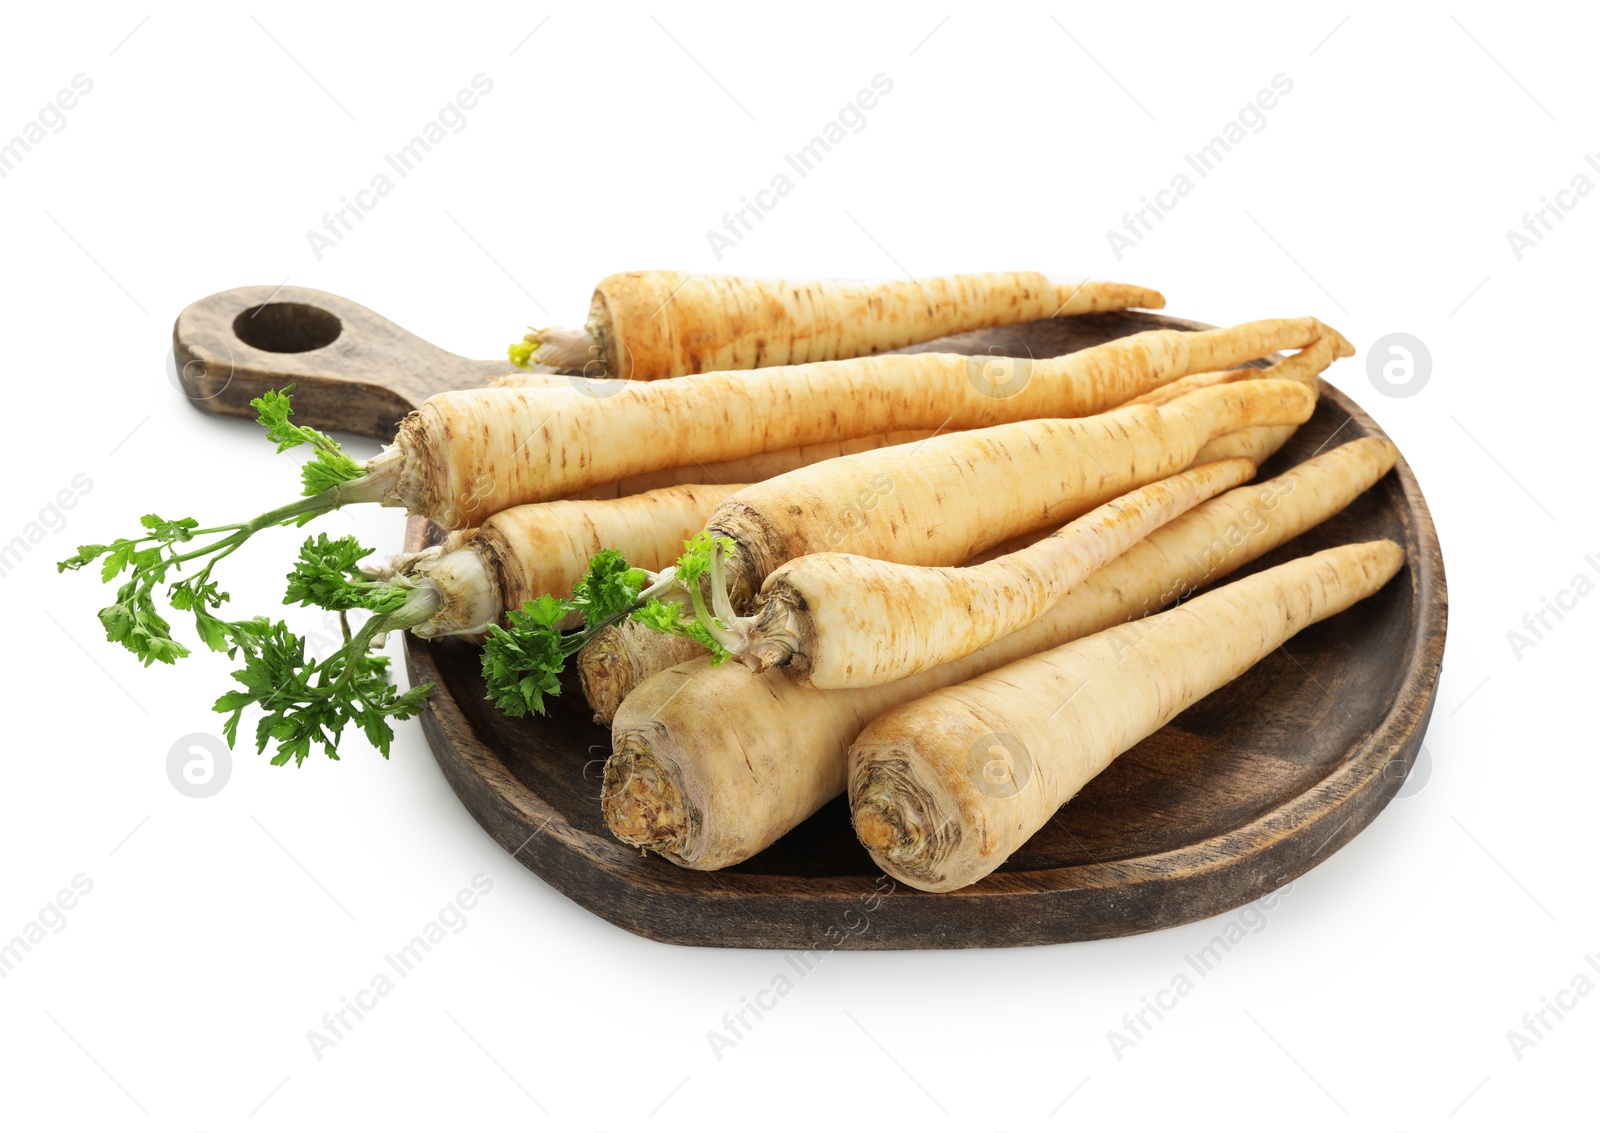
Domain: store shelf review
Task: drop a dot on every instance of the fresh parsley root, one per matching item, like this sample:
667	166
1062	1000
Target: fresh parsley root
522	664
838	620
817	319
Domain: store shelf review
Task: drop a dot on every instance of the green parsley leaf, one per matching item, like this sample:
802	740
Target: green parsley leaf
167	546
330	465
669	617
306	704
327	574
523	661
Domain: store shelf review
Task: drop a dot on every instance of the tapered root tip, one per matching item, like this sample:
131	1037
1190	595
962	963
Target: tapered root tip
1390	558
1345	347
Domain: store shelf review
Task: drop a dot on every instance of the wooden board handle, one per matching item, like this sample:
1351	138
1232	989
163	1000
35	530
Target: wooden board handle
353	370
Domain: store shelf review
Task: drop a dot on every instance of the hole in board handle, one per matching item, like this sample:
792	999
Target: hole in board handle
287	328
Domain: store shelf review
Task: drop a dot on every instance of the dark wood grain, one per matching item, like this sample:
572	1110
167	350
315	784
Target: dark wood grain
1242	793
353	370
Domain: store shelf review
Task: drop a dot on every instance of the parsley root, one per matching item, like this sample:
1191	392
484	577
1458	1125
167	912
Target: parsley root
556	573
667	324
712	765
846	621
942	501
467	454
945	788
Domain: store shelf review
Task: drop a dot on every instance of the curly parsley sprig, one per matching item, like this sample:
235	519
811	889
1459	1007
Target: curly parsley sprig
306	702
522	662
330	479
311	702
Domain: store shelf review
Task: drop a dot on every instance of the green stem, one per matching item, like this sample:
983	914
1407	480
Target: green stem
418	608
726	628
370	488
666	583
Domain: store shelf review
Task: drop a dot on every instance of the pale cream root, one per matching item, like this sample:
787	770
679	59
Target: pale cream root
751	469
526	552
538	379
1254	445
946	787
540	549
471	453
664	324
470	598
756	753
847	621
942	501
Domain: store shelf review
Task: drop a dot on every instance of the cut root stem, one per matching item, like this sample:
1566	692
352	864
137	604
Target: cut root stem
726	628
561	347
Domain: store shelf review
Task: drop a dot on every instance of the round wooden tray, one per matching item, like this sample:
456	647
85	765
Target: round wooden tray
1240	794
1248	789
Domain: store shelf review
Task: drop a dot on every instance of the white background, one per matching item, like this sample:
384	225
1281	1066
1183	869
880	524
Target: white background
219	930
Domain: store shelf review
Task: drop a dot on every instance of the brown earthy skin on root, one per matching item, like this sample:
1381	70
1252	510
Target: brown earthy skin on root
946	787
467	454
667	324
761	753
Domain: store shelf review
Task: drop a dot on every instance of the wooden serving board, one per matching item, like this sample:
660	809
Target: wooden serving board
1245	791
353	370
